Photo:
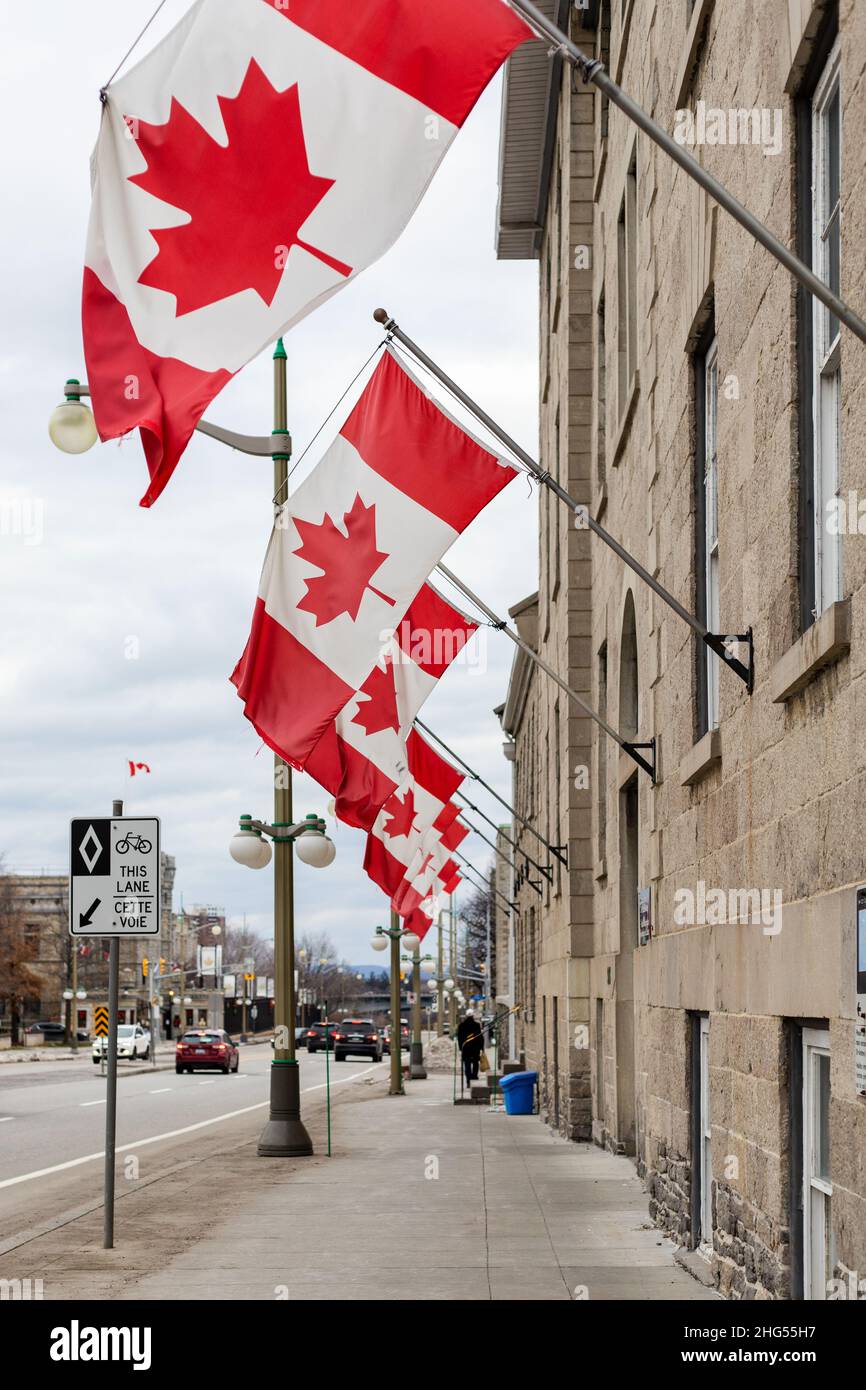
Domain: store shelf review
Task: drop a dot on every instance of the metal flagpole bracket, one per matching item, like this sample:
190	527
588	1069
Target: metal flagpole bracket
594	71
583	519
648	765
728	647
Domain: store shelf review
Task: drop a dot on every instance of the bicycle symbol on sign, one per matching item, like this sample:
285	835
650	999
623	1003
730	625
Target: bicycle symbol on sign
133	842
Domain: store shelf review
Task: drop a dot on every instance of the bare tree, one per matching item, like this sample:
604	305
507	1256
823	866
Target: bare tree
241	945
18	979
473	915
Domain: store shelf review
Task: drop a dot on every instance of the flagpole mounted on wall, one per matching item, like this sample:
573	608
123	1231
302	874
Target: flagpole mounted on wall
728	647
593	70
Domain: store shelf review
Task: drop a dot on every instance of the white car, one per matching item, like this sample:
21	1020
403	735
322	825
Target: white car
132	1041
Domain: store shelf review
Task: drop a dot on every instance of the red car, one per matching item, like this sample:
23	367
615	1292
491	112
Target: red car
206	1049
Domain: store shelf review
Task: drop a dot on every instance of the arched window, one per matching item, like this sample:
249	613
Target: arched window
628	673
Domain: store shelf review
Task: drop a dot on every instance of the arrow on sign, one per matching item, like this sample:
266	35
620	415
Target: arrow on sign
85	918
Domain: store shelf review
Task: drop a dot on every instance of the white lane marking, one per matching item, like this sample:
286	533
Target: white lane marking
4	1118
161	1090
171	1134
85	1103
207	1083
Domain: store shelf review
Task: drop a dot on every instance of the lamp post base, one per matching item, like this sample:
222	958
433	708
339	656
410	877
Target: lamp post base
417	1070
284	1135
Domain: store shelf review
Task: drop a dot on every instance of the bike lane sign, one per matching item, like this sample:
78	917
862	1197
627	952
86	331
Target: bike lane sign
114	876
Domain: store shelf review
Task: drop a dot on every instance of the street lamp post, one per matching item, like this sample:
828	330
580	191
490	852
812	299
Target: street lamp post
73	430
284	1135
395	934
416	1048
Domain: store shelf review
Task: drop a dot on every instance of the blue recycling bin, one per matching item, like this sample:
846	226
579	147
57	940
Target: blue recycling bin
519	1091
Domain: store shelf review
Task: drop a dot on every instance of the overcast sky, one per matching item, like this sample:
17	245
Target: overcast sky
89	578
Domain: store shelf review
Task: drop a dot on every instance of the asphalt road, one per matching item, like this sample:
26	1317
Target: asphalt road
52	1125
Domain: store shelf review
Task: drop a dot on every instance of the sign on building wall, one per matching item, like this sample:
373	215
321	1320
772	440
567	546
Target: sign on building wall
860	1024
644	916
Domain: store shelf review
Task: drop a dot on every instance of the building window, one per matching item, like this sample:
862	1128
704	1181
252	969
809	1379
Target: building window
707	524
602	52
819	1257
819	200
826	349
600	390
626	270
702	1159
601	748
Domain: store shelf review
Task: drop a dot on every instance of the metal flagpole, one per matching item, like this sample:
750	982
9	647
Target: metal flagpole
594	71
625	745
478	874
722	644
558	850
548	872
496	851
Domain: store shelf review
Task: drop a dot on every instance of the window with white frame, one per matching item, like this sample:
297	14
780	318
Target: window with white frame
627	291
819	1257
707	524
711	523
826	351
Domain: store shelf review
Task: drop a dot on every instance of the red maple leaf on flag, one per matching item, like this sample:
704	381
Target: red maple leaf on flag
247	200
379	710
348	562
402	815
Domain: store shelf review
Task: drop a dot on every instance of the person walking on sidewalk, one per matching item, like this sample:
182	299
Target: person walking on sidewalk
471	1041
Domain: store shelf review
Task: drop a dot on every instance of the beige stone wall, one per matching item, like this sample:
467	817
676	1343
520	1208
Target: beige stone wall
784	806
554	739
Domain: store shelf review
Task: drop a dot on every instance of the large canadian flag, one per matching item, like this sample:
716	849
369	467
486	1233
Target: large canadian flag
349	552
263	154
361	759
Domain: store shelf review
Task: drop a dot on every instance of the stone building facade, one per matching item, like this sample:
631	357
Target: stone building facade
712	419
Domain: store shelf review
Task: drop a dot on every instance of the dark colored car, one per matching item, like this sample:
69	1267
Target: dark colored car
386	1037
316	1036
50	1031
357	1037
206	1049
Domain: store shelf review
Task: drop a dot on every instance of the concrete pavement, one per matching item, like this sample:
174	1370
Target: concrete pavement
421	1200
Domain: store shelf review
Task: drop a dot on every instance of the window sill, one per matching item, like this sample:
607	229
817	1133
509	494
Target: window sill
625	422
706	754
825	642
686	73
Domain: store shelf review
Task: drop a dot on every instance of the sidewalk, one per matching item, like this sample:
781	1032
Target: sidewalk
514	1213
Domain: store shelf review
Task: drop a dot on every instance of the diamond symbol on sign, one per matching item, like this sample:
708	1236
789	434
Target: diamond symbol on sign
91	857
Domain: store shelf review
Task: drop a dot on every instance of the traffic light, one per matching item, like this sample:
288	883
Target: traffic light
162	965
145	966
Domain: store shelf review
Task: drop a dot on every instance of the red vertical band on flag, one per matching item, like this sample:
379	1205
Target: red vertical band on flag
131	386
442	54
433	633
282	684
401	434
427	767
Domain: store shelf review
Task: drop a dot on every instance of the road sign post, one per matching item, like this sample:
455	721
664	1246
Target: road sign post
114	891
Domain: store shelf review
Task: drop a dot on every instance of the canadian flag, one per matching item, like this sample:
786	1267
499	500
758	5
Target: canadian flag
350	551
263	154
361	758
404	853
